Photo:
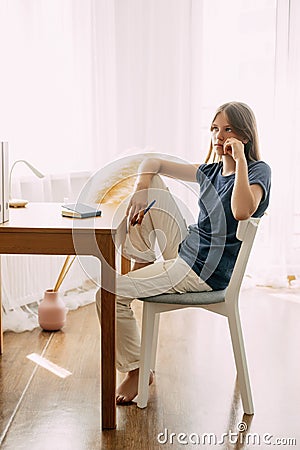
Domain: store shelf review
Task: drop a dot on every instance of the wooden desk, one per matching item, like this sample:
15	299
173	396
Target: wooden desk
40	229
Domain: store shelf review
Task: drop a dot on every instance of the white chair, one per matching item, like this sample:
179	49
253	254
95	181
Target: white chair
223	302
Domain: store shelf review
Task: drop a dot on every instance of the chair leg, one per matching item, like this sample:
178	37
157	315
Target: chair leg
240	361
154	342
146	352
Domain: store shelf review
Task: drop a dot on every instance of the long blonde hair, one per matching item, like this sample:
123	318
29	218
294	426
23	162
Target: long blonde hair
242	120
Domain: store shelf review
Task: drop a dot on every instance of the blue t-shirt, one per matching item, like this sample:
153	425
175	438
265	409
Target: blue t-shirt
211	246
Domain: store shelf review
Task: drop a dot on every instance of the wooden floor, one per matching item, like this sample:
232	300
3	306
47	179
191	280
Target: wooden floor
195	391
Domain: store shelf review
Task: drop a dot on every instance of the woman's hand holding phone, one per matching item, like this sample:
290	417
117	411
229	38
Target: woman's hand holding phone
137	205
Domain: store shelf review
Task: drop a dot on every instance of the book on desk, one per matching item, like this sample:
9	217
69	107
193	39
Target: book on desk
79	210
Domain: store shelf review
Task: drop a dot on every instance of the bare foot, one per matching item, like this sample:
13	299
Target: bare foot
128	389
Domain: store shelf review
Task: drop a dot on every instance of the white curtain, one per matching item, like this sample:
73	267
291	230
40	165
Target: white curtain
277	260
292	154
84	83
57	84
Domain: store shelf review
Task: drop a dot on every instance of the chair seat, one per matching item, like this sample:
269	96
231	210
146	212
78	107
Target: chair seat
189	298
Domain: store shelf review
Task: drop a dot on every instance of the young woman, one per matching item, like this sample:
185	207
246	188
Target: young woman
201	257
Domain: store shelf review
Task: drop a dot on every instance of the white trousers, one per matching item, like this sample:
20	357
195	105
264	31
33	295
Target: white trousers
164	223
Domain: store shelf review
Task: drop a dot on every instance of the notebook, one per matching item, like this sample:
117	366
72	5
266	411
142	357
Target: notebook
79	210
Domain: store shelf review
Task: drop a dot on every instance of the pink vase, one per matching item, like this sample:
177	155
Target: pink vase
52	311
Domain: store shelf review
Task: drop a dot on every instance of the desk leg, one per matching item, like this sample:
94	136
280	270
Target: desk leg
108	337
125	265
1	329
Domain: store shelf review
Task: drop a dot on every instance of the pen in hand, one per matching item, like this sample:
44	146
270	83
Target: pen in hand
146	210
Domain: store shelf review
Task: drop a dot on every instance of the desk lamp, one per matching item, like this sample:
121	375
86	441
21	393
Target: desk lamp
19	202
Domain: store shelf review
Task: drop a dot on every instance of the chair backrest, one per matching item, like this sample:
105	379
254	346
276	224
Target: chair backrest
246	232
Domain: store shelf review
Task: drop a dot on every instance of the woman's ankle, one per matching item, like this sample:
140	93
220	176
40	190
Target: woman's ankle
133	372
